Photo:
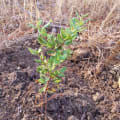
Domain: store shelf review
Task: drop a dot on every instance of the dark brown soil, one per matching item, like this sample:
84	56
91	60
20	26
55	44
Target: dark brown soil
88	97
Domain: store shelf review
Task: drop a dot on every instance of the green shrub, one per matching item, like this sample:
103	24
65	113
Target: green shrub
53	51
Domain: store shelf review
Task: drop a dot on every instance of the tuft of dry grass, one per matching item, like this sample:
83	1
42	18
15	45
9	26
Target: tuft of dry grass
106	11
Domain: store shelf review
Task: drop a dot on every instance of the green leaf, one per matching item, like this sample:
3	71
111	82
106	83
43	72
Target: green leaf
39	68
63	33
77	14
39	50
57	57
56	72
37	60
86	15
68	52
46	25
42	69
49	52
42	57
43	32
72	22
42	80
57	62
51	41
65	54
42	41
62	70
57	81
58	54
51	62
61	75
33	51
42	90
39	23
52	58
59	40
81	29
49	44
31	25
68	31
81	23
62	58
68	42
74	37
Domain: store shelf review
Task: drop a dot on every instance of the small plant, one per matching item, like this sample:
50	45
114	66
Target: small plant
53	51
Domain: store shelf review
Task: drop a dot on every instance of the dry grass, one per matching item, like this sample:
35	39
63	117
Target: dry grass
105	11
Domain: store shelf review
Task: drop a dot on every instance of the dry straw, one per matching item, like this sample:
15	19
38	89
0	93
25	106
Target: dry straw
104	13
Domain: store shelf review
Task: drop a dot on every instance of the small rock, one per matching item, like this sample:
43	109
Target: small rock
119	82
18	67
49	118
12	76
25	117
72	117
115	85
116	107
98	97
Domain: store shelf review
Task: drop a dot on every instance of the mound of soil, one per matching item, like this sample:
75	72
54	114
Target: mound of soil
84	95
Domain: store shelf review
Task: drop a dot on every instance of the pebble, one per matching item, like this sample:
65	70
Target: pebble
98	97
72	117
115	85
116	107
119	82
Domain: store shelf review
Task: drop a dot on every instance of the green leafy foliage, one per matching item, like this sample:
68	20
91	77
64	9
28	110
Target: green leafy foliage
33	51
56	51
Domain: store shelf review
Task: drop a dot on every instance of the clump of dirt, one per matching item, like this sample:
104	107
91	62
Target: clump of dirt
88	97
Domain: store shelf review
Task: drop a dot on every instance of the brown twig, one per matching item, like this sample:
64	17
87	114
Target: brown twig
52	97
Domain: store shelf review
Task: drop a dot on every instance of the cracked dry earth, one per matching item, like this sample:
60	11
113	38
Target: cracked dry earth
86	96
